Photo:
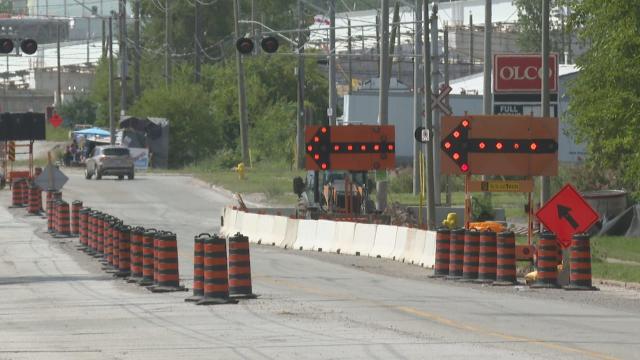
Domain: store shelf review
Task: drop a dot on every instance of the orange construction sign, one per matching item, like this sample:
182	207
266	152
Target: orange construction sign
351	147
499	145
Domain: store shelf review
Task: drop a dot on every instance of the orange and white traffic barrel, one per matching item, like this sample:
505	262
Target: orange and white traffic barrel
124	250
441	266
456	253
487	259
506	259
216	275
147	257
471	255
136	254
76	205
547	261
240	267
198	268
168	273
580	267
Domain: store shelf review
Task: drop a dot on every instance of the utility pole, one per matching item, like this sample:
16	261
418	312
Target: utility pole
395	29
546	181
331	112
59	94
300	120
486	90
435	81
417	98
426	55
196	41
136	55
167	43
349	49
122	55
446	85
383	109
104	38
470	44
112	131
88	40
242	100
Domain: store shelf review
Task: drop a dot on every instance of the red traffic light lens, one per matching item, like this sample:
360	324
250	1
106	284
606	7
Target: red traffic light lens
269	44
324	130
533	146
323	166
499	146
350	147
464	167
309	148
316	139
390	147
456	156
6	46
336	147
29	46
244	46
516	146
363	147
447	145
376	147
456	134
465	123
316	156
482	145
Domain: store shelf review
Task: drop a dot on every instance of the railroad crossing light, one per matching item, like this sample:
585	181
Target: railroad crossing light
269	44
244	45
6	46
29	46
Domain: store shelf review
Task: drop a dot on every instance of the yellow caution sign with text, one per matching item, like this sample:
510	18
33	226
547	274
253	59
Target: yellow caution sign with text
501	186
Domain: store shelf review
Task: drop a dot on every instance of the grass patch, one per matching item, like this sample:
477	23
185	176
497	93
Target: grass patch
56	134
616	247
620	272
272	179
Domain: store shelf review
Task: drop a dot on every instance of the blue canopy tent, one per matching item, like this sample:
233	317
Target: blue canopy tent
92	131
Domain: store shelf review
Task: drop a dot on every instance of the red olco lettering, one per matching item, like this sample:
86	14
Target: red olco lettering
522	73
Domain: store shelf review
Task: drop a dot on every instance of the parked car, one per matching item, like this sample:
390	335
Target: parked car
109	160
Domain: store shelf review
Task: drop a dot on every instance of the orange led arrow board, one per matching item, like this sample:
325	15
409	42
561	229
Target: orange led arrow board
499	145
351	147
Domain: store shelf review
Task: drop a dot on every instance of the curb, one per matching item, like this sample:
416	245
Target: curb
620	284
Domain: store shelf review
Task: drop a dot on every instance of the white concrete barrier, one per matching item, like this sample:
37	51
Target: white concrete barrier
291	233
306	234
428	258
385	241
414	247
363	239
326	235
228	221
344	237
265	229
401	240
237	225
250	226
278	232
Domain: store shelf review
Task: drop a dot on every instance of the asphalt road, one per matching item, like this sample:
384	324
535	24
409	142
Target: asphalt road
56	303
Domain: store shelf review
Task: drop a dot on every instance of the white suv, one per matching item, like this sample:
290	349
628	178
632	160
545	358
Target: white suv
109	160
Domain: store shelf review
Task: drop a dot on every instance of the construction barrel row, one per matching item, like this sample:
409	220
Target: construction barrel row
490	258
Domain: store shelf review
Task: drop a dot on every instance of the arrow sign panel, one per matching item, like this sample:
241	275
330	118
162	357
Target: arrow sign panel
352	147
499	145
566	214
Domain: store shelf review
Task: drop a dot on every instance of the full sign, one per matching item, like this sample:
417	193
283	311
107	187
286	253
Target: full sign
566	214
499	145
523	73
352	147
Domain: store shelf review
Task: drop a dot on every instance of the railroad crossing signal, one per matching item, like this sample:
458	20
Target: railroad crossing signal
499	145
352	147
11	150
439	100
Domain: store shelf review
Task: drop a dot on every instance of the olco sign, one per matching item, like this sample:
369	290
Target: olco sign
522	73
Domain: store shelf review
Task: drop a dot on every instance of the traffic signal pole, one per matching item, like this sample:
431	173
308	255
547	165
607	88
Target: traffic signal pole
383	108
242	99
546	181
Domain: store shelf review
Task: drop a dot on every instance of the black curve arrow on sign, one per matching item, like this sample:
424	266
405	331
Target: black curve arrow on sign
564	212
458	145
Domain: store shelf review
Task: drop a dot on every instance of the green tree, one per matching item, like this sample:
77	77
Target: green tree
605	97
529	25
193	134
80	110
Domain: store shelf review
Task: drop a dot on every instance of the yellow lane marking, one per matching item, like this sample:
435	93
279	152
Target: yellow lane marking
437	318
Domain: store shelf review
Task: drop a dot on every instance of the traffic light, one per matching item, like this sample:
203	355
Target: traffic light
6	46
28	46
269	44
244	45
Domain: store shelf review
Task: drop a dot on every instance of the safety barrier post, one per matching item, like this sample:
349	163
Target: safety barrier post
64	226
168	273
124	250
456	254
487	260
107	247
84	227
147	257
580	274
471	255
547	261
99	234
441	267
240	267
35	202
506	259
216	275
75	217
16	193
115	243
136	254
198	268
